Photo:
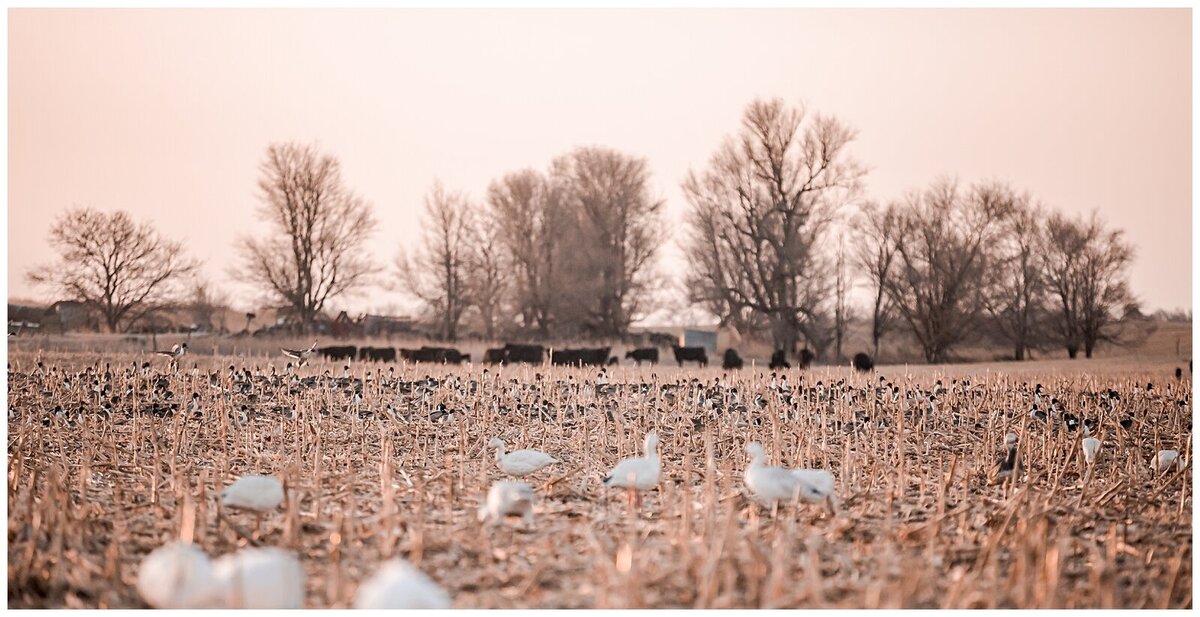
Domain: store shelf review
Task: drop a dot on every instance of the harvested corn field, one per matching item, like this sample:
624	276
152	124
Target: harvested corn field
933	504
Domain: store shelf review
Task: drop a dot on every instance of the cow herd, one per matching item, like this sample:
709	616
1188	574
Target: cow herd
584	356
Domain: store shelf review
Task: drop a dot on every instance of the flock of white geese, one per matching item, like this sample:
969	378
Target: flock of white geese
179	575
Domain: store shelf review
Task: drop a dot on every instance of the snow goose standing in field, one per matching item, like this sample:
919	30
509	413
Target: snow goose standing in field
508	498
176	575
1091	447
258	578
771	485
1164	460
300	355
398	585
520	462
638	473
259	494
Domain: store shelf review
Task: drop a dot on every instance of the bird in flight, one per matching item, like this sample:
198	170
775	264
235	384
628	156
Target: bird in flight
176	352
300	354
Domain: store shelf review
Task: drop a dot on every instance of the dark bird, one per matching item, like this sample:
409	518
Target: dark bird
1008	464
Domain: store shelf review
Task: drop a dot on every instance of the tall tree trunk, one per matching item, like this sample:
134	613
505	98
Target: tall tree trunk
783	334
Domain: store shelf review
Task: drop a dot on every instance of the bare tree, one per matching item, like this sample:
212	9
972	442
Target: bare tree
526	212
874	255
942	258
438	273
1086	275
1015	293
207	305
488	277
614	231
121	269
316	248
760	214
841	312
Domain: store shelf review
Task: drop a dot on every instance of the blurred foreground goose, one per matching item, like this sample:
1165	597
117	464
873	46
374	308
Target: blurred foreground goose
521	462
771	485
300	354
176	575
399	584
258	578
637	474
1164	460
258	494
508	498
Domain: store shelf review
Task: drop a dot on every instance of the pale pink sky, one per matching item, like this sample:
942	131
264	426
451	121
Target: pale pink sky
166	113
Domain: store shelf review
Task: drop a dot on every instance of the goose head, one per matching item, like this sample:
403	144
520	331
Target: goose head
756	452
651	443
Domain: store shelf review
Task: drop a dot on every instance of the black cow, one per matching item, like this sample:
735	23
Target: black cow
690	354
806	357
597	356
528	354
732	359
779	360
494	356
377	354
436	355
649	354
863	363
344	352
613	361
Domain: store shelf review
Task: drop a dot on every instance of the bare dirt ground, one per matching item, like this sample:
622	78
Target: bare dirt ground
94	485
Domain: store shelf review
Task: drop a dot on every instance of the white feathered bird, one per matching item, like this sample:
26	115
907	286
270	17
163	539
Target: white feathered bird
258	494
520	462
638	473
176	576
770	485
1090	445
508	498
1164	460
398	585
258	578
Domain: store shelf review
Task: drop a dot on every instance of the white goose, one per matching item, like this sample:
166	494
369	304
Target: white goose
174	576
399	585
259	494
1090	445
258	578
771	485
505	498
638	473
1164	460
520	462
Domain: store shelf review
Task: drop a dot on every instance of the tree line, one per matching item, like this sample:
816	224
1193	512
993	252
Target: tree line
777	232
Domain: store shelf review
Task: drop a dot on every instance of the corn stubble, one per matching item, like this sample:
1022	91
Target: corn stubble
921	521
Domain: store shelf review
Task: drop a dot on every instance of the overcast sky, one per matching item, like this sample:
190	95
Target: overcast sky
167	113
